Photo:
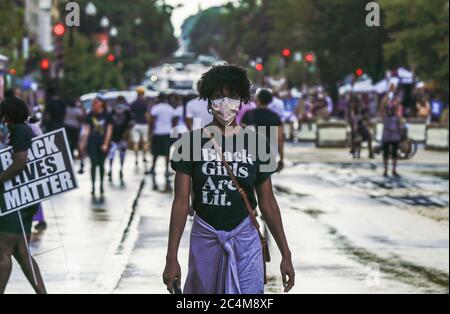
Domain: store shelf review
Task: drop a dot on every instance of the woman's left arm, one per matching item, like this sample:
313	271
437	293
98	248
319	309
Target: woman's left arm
272	216
19	163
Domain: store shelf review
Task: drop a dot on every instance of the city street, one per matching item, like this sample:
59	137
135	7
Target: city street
353	96
350	230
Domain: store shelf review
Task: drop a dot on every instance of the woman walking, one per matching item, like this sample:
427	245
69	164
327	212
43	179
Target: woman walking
97	137
226	251
392	136
15	228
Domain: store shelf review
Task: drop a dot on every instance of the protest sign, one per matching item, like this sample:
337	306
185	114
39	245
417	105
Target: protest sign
49	172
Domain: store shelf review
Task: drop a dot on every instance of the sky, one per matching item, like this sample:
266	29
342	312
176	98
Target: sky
190	7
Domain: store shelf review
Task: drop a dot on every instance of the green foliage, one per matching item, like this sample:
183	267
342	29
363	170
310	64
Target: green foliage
11	32
419	37
86	73
141	45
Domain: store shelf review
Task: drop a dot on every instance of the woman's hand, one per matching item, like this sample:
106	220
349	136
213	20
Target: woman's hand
287	274
105	148
172	275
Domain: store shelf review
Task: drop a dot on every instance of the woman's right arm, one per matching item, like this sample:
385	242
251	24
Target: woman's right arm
180	209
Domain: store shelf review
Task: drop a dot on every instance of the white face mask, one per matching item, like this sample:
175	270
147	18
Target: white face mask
226	110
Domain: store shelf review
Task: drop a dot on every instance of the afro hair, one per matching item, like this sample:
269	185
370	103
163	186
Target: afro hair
227	76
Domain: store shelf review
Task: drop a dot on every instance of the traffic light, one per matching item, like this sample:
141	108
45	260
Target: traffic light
111	58
359	72
12	71
59	31
286	52
309	58
259	67
45	64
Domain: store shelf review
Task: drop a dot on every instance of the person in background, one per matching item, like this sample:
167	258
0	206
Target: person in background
359	121
392	136
277	105
424	108
13	240
122	124
197	114
140	114
304	112
98	130
437	106
180	127
72	123
54	111
264	117
321	108
444	117
163	118
290	117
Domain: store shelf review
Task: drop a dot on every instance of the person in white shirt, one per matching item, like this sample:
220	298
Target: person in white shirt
197	114
180	128
277	106
163	118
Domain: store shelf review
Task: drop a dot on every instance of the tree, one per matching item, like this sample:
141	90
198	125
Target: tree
11	32
336	31
84	72
142	44
419	38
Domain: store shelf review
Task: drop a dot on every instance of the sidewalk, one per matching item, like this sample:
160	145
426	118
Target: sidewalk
84	258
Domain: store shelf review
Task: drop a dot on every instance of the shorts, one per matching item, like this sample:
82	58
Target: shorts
390	149
121	147
10	224
161	145
140	132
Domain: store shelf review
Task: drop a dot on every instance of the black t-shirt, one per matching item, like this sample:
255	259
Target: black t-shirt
98	123
262	117
121	120
20	138
216	199
139	108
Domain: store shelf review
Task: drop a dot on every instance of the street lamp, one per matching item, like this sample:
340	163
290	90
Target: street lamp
91	9
104	22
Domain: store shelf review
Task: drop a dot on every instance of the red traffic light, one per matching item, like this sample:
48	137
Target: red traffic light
359	72
309	58
13	71
259	67
111	58
59	29
45	64
286	52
